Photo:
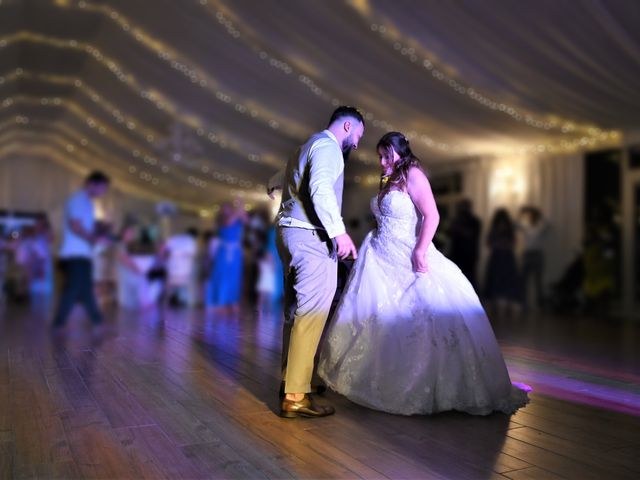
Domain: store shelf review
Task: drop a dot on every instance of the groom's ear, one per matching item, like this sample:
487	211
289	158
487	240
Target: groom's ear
347	126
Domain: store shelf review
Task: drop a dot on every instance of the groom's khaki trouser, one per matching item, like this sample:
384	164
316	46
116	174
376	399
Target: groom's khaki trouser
311	275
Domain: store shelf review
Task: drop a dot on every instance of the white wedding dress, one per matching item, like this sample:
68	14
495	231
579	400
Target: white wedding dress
411	343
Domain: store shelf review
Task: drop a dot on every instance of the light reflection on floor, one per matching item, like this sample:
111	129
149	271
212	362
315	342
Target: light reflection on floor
564	379
584	361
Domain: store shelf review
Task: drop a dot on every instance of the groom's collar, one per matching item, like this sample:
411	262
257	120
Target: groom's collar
331	136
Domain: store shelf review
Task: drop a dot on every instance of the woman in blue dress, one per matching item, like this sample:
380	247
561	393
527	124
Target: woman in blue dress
225	281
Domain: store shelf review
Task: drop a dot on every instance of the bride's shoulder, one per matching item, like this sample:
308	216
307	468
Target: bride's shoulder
418	186
416	173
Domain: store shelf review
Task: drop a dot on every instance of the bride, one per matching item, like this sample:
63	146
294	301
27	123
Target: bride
409	335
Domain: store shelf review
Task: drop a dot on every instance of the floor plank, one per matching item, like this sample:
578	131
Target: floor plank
152	448
532	473
7	454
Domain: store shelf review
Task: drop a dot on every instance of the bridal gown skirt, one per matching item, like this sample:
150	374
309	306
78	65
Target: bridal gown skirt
410	343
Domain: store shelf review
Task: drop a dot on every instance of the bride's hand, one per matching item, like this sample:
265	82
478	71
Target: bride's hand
419	260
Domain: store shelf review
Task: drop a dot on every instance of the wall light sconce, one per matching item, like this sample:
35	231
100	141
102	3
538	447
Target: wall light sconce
508	186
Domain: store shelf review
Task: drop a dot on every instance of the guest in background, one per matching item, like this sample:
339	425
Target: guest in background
225	282
104	275
266	284
42	283
181	252
212	248
464	233
502	282
599	262
255	237
129	274
138	285
270	282
25	264
272	247
76	252
566	294
534	230
204	264
4	263
205	257
33	273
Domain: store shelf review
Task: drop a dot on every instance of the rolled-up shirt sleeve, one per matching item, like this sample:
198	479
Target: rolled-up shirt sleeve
326	165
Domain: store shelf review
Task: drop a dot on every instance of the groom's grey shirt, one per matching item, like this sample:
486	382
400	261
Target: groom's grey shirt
313	184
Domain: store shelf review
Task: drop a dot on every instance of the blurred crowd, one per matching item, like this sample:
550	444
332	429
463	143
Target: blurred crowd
514	275
233	263
236	262
26	260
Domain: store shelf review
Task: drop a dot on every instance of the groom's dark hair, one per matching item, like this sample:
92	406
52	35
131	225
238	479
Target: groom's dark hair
346	112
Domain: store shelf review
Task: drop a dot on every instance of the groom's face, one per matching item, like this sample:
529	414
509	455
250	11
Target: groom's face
356	131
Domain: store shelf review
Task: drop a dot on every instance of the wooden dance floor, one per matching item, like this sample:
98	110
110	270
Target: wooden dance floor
184	394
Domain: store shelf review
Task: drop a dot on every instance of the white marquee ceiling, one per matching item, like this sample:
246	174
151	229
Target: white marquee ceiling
199	100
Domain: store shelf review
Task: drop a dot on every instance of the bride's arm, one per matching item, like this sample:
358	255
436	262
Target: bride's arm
419	190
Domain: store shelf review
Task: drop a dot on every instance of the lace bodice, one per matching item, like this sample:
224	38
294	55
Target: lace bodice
397	218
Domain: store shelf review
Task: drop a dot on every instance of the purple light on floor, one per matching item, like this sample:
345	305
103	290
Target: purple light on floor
523	386
579	384
589	394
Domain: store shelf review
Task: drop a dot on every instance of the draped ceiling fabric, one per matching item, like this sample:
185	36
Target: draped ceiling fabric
200	101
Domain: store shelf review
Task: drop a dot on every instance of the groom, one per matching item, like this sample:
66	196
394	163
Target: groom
310	234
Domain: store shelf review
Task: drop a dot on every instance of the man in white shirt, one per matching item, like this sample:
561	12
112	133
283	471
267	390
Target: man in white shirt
76	250
311	235
534	230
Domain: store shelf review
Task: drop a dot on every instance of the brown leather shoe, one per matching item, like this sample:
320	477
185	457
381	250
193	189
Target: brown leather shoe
304	408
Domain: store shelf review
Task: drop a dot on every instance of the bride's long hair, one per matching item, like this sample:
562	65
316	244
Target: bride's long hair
397	179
